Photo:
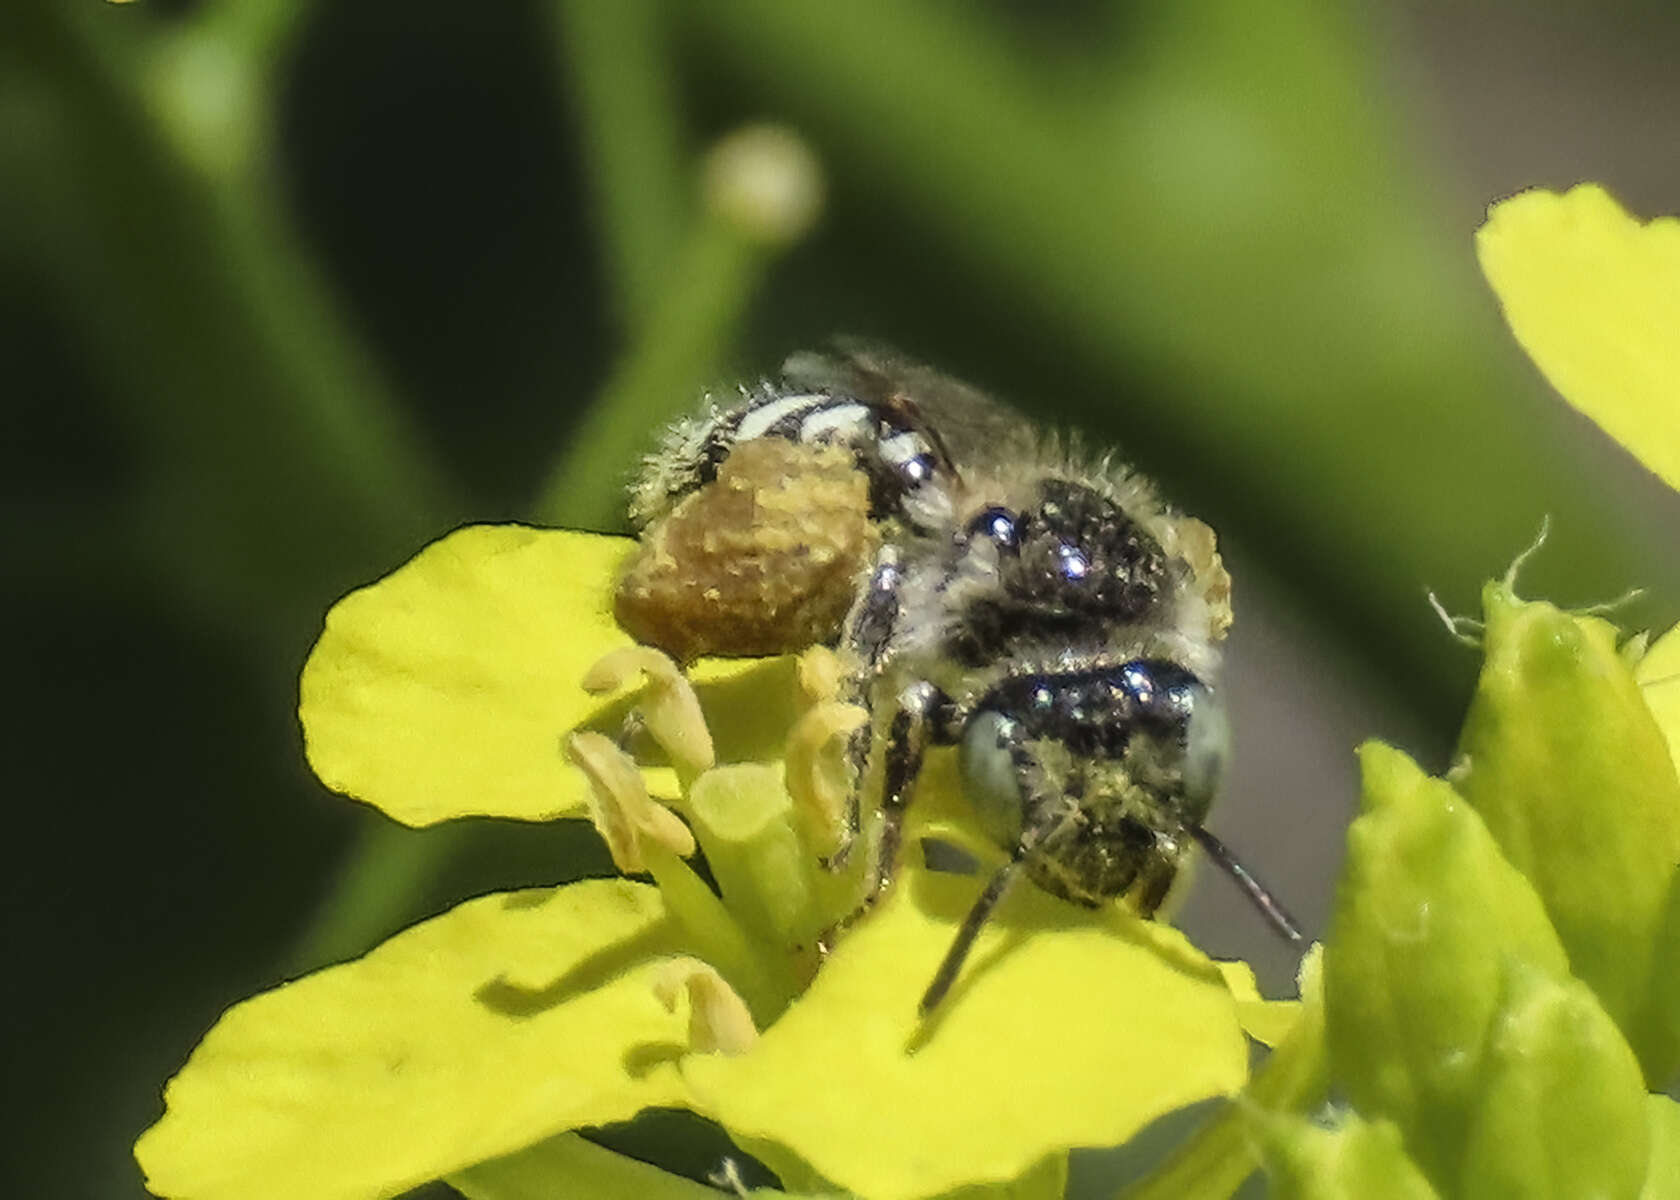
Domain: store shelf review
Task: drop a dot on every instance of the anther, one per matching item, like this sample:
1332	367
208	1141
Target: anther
718	1020
619	806
668	704
817	773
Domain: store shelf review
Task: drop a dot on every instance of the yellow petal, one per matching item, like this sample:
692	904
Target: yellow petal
1266	1021
1295	1077
1594	297
1066	1028
444	690
506	1020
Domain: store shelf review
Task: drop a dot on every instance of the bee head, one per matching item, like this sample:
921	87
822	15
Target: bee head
1145	740
1098	779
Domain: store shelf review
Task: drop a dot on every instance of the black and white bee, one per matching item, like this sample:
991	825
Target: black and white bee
989	588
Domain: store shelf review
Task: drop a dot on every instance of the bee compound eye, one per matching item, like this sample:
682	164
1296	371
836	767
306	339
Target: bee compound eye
991	780
1207	745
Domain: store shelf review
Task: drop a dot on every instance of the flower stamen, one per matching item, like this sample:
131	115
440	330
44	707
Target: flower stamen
718	1019
820	672
668	705
619	806
817	774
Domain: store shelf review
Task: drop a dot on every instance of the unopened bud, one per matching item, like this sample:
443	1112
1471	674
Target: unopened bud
765	182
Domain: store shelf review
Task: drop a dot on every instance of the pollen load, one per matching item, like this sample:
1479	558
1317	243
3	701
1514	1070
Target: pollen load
763	559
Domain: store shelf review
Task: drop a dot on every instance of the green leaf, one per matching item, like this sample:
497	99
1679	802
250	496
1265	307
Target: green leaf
1426	914
1067	1028
1662	1176
570	1166
444	689
1572	775
504	1021
1561	1112
1357	1160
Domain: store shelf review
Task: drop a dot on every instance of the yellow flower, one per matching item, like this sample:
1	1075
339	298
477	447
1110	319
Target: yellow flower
448	690
1593	296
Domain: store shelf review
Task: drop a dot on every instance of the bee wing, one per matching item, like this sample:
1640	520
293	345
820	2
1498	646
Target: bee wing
968	428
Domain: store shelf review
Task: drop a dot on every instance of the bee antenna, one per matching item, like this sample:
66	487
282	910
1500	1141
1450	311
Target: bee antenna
1276	915
954	957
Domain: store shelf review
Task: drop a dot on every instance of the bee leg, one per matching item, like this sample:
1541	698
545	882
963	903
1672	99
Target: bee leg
906	742
857	758
869	630
870	625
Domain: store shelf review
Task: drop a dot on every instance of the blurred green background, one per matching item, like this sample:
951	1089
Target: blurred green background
289	290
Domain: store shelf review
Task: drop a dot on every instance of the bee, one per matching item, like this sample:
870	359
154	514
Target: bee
990	588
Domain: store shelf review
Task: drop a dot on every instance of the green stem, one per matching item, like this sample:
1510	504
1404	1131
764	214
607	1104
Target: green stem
614	57
374	892
259	31
719	271
277	465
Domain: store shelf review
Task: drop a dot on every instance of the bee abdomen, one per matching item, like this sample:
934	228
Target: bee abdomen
908	477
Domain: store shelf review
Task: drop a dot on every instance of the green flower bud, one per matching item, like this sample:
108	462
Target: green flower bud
1662	1175
1564	761
1562	1108
1358	1160
1427	913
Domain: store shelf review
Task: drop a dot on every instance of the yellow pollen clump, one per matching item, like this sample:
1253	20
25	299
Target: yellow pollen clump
762	560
